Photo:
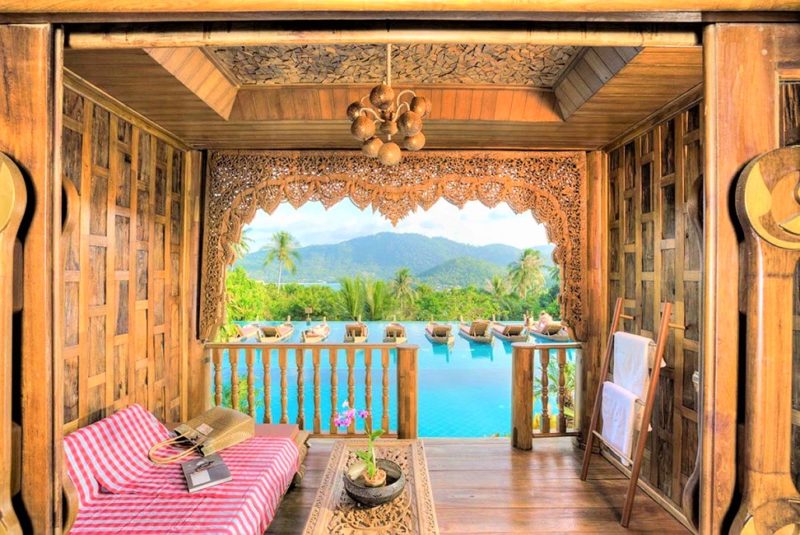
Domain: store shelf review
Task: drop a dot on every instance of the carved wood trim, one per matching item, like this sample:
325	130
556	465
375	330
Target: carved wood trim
768	212
549	184
13	200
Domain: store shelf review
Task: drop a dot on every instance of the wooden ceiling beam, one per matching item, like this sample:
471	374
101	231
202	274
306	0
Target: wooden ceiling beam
193	68
391	6
254	34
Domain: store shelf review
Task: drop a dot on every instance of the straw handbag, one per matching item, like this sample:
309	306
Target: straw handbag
212	431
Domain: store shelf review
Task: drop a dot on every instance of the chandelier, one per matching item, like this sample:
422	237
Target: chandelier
387	117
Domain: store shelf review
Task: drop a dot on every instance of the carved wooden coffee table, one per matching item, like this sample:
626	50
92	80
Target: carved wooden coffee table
335	513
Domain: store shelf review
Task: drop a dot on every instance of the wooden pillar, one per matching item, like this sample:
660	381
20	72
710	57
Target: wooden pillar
738	127
522	395
740	61
197	384
407	400
596	304
29	108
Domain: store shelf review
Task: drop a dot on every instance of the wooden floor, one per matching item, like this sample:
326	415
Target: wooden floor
470	480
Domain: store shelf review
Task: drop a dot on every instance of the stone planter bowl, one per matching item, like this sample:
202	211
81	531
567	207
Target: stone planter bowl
373	496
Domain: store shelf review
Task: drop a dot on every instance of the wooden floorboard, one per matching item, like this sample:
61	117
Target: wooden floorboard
472	488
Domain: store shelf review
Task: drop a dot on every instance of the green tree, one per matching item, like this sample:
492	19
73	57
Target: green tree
497	287
553	274
351	296
283	250
526	275
403	290
377	299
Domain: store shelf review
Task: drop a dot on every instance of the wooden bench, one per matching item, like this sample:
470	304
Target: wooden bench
111	486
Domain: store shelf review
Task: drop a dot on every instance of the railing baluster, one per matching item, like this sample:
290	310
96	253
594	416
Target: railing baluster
562	390
368	385
315	361
544	358
249	357
284	386
246	354
266	363
233	358
298	357
334	394
351	385
385	369
217	359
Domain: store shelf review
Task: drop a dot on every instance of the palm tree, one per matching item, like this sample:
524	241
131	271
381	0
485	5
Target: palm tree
525	274
403	288
284	251
553	273
351	293
377	299
242	247
497	286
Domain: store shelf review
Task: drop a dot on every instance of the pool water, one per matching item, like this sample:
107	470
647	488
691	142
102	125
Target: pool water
464	389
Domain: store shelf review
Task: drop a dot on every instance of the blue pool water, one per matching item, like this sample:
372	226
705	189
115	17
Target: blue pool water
464	390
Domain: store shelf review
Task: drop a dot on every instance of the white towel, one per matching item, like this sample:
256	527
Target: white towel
633	358
619	414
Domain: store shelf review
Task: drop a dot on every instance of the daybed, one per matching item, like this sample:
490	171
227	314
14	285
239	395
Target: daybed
118	490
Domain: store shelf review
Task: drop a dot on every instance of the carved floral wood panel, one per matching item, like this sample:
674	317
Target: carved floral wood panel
550	185
524	65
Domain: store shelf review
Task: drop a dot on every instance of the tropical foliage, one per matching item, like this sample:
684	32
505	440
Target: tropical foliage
526	274
527	287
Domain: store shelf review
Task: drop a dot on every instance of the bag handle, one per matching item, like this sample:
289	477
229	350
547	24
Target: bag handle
172	458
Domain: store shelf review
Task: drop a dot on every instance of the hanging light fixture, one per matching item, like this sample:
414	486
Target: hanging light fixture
379	117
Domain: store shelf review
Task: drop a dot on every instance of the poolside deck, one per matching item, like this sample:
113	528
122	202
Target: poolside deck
470	480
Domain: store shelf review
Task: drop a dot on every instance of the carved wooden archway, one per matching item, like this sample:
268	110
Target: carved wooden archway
549	184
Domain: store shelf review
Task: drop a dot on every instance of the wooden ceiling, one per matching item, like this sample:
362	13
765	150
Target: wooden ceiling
598	95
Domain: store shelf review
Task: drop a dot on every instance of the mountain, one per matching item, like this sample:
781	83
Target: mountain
380	256
462	271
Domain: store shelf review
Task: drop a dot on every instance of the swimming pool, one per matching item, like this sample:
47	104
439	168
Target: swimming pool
464	390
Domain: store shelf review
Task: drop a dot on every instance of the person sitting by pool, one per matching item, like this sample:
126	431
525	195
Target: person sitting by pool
545	319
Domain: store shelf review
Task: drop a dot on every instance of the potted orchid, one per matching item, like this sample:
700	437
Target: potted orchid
370	481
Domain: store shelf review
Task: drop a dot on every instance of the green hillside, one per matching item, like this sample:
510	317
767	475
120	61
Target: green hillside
461	272
381	255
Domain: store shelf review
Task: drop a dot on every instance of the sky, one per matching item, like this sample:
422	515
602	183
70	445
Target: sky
474	224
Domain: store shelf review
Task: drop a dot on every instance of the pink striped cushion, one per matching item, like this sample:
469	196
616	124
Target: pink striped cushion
188	514
262	469
113	451
261	462
121	491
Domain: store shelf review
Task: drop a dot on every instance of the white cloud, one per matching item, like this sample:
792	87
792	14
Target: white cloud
476	224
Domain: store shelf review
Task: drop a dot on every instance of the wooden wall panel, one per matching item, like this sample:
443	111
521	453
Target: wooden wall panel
655	256
121	346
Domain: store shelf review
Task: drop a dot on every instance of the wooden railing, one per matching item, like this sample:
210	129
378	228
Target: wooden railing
311	366
525	355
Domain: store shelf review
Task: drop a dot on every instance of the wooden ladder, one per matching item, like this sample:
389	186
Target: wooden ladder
663	333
